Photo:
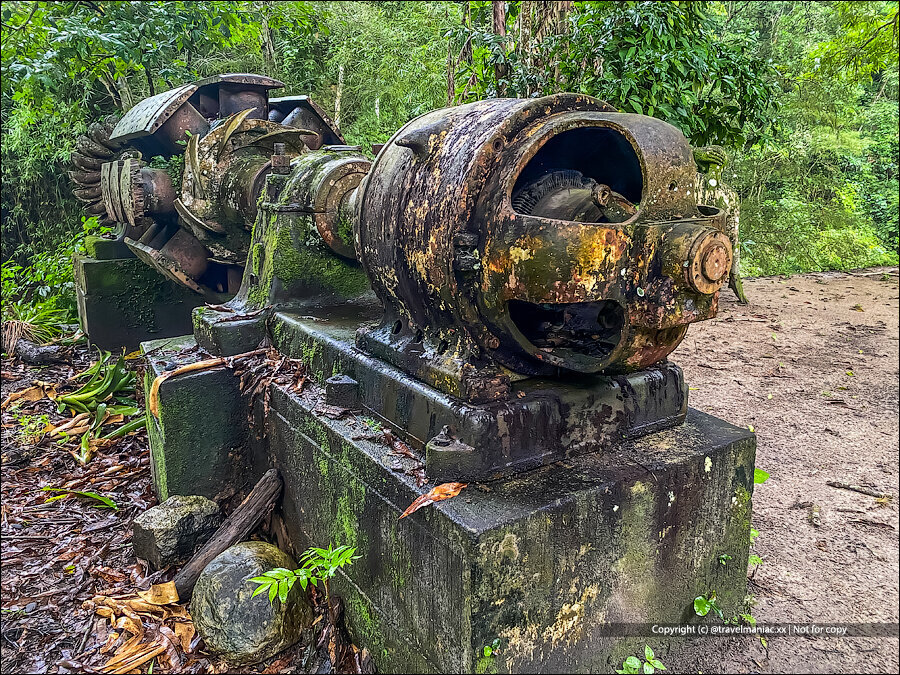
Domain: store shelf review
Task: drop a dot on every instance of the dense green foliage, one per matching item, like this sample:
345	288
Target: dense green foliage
820	190
803	95
665	59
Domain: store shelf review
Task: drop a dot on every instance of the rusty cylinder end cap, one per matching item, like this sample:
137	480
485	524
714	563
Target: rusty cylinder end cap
715	263
709	262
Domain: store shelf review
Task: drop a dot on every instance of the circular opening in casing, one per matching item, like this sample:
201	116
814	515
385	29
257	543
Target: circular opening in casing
572	330
561	180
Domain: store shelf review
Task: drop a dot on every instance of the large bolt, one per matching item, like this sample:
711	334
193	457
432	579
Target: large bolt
342	391
708	262
715	262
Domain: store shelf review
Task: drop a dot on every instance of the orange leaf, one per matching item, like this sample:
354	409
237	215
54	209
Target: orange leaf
185	633
132	658
160	594
436	494
153	398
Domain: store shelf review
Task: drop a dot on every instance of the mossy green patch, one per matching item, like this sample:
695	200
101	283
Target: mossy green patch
285	252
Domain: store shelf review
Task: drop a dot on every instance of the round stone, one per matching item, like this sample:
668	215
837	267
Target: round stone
240	629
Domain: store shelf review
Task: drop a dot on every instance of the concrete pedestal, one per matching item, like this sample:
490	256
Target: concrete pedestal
122	301
545	561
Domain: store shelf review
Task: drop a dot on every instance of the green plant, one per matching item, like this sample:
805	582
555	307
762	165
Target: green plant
634	665
108	381
105	502
703	605
490	650
38	323
316	565
373	425
745	618
724	558
760	476
32	427
668	60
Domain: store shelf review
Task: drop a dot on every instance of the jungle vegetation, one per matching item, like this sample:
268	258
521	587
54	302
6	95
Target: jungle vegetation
802	95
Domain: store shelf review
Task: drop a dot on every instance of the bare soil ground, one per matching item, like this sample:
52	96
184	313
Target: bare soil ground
811	364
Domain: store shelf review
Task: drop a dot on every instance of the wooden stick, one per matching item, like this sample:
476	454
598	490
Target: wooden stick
862	490
238	525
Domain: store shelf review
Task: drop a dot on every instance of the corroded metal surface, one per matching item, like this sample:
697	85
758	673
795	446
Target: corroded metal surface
206	207
302	111
151	113
572	282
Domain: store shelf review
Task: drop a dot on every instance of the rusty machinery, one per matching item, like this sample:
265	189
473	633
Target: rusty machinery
535	260
543	236
181	172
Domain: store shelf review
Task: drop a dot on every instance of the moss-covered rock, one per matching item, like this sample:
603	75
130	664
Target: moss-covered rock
170	533
239	628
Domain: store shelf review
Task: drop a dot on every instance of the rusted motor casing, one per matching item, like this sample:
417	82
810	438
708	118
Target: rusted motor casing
477	228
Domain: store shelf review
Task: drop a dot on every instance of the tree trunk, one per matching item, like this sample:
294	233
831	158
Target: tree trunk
500	69
337	97
735	283
267	46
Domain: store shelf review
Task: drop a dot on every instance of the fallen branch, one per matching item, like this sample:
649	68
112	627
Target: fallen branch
860	489
238	525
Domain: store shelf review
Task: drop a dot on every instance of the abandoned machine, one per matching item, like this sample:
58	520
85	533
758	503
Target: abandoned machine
500	287
510	244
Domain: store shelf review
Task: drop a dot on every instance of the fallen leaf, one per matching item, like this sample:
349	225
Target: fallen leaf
108	574
132	658
153	398
131	624
35	392
436	494
185	633
160	594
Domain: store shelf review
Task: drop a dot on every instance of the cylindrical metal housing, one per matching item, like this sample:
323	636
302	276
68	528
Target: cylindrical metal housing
489	226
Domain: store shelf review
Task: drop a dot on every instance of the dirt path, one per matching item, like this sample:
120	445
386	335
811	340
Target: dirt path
812	365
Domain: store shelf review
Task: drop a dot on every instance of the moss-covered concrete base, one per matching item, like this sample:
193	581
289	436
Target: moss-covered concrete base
106	249
219	333
199	440
122	302
545	562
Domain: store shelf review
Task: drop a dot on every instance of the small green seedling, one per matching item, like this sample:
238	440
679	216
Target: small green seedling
704	605
316	565
374	425
489	650
633	664
32	427
724	558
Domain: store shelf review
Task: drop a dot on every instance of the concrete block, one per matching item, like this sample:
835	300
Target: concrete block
545	561
199	441
122	302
